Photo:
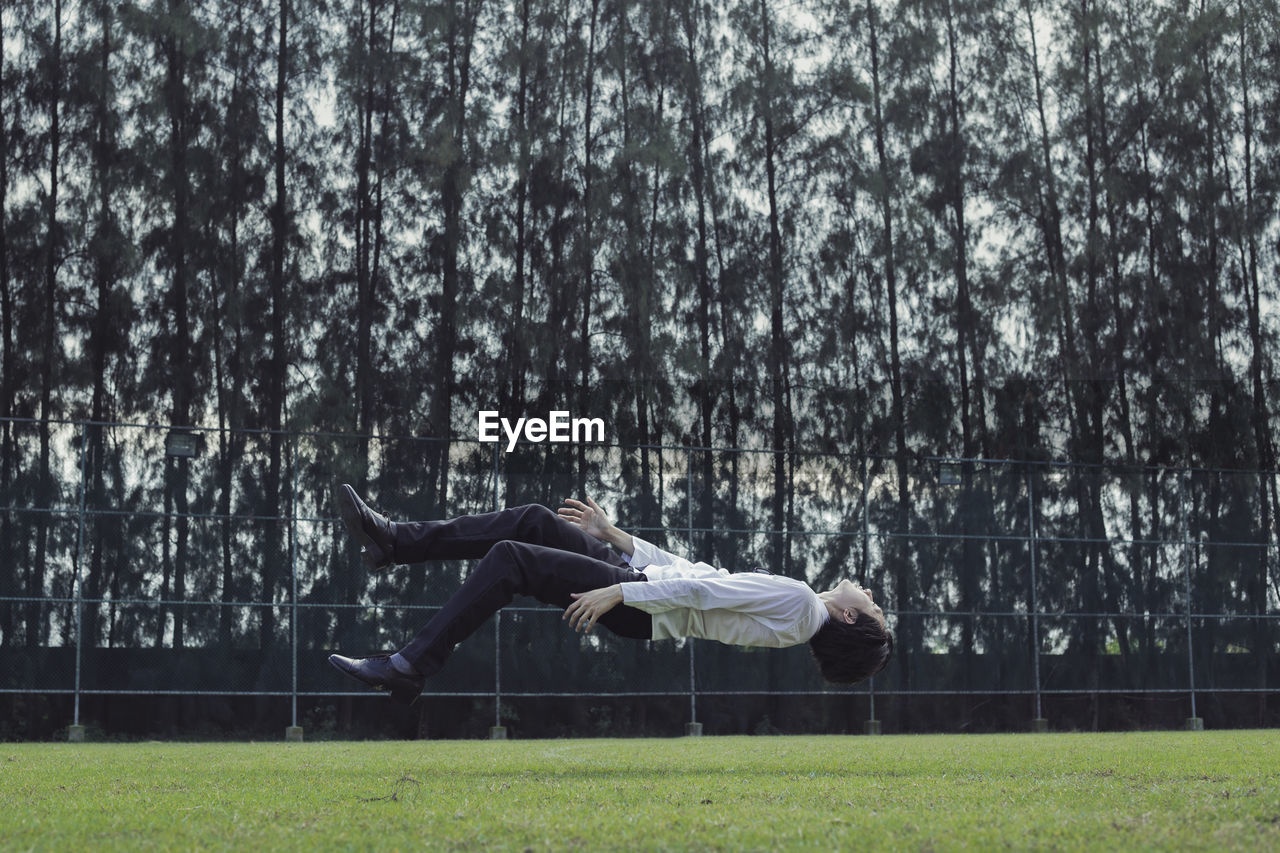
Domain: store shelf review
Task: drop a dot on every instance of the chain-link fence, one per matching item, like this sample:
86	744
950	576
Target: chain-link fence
153	561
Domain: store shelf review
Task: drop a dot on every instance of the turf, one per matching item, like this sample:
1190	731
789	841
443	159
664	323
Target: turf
1170	790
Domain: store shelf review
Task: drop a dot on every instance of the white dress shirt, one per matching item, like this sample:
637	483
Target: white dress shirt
698	600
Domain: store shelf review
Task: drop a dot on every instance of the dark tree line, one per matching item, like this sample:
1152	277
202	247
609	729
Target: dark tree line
844	235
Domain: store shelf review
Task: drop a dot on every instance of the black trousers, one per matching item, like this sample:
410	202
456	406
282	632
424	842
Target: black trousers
525	550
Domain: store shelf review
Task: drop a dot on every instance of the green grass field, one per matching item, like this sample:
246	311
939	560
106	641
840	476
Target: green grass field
1169	790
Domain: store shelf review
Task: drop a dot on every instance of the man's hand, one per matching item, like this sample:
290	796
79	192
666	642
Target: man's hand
587	607
589	516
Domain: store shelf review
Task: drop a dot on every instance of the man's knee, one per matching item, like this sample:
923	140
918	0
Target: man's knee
514	556
538	525
537	515
506	564
505	552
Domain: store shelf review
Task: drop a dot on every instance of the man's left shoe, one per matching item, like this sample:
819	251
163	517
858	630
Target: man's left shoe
378	672
376	535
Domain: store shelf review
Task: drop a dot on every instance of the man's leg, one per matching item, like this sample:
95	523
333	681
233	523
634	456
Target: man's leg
464	537
520	568
471	536
508	569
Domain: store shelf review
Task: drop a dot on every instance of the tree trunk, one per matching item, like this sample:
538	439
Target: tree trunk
1069	361
362	227
559	277
908	637
779	376
649	284
176	105
104	246
1088	433
228	368
705	387
971	568
460	35
1118	578
1262	629
37	621
1147	571
274	561
7	441
588	244
512	388
632	279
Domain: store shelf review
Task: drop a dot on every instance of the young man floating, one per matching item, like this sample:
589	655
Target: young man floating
643	592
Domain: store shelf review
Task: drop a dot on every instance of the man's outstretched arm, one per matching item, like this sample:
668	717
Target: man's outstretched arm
591	518
587	607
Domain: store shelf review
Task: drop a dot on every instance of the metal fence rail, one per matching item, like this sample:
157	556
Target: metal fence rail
1026	534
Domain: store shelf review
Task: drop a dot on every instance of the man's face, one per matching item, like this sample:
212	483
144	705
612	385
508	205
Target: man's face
848	595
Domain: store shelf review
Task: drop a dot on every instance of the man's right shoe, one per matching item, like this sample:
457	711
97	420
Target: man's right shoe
376	535
379	673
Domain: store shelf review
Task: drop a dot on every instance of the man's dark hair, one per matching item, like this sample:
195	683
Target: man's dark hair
850	652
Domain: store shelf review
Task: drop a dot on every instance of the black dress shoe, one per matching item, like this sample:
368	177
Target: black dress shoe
376	535
378	672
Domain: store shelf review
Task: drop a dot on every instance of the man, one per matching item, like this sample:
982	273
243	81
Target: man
565	559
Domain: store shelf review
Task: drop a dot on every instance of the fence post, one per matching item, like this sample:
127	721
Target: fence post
871	726
693	728
1038	722
497	731
294	732
1194	723
75	733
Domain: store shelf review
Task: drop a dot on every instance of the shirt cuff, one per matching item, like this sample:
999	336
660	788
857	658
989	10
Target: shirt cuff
643	553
